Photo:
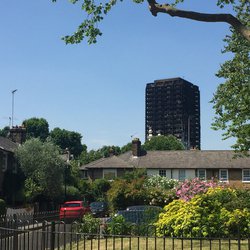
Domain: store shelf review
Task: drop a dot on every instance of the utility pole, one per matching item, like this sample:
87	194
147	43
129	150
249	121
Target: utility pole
12	114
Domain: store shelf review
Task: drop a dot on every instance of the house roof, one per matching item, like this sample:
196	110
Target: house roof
191	159
109	162
7	145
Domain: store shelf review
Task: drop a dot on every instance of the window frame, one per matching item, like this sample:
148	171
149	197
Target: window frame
220	178
179	175
245	169
113	170
198	173
164	171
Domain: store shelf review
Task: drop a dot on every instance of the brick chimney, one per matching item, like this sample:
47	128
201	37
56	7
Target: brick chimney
136	147
17	134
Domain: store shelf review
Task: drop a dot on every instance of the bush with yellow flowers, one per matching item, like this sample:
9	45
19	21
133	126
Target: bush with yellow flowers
212	214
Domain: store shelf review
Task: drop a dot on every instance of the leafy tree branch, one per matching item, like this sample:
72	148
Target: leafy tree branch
96	12
156	8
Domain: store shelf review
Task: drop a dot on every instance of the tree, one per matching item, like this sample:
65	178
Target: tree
67	139
104	152
4	132
43	168
96	12
36	128
162	142
99	189
232	98
126	147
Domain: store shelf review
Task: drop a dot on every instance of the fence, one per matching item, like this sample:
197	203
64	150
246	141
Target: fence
58	235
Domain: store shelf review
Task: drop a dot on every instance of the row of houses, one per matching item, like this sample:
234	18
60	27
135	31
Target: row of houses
180	165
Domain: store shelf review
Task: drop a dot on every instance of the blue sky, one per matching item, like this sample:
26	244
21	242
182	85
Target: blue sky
99	90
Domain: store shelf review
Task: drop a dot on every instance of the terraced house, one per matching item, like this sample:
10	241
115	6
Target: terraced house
8	164
181	165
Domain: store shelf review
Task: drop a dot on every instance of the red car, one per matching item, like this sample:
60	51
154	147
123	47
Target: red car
73	210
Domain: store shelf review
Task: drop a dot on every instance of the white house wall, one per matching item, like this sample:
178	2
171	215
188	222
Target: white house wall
151	172
172	173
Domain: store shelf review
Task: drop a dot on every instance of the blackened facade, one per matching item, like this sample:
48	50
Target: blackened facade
173	108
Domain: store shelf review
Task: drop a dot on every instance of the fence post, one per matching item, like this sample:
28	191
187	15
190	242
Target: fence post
239	238
43	235
52	235
15	233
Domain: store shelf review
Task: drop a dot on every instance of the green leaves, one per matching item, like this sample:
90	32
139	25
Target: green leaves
42	167
163	143
231	101
88	28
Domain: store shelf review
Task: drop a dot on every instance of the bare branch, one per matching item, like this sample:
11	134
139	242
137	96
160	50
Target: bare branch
156	8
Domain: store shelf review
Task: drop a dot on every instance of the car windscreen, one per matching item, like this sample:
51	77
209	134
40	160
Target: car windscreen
98	204
71	205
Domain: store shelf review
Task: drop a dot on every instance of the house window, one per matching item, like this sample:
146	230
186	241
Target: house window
223	175
163	172
84	174
109	174
201	174
246	175
3	161
182	174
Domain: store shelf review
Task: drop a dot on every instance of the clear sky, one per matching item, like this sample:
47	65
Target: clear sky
99	90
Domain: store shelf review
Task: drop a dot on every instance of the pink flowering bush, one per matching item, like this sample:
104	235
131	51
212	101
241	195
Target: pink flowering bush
189	188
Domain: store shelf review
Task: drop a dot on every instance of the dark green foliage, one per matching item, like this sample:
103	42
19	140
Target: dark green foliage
89	225
67	139
135	174
125	193
73	193
126	148
2	207
104	152
100	188
86	191
163	143
36	128
4	132
92	155
232	98
118	226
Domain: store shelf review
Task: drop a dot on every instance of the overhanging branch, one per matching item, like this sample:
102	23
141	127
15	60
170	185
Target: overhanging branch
156	8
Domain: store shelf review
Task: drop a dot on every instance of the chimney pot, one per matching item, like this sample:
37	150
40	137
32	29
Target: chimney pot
136	147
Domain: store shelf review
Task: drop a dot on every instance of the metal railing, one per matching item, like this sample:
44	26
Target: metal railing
58	235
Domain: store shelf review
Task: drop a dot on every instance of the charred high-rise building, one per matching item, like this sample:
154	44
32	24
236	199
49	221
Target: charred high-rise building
173	108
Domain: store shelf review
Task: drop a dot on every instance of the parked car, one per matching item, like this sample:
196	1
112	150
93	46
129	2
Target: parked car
73	210
139	214
99	208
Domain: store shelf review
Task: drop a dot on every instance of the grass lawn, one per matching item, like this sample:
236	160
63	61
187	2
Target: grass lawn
143	243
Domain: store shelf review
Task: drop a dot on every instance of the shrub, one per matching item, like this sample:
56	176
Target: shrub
118	226
157	181
89	225
205	215
2	207
160	190
189	188
73	193
125	193
99	188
